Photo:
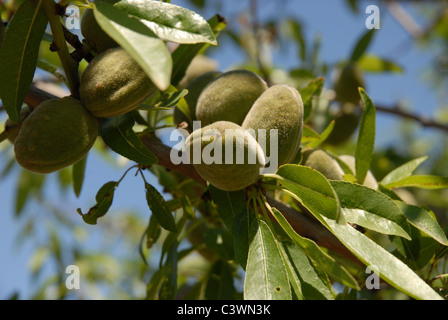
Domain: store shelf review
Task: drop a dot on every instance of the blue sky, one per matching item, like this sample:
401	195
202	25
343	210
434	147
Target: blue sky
338	28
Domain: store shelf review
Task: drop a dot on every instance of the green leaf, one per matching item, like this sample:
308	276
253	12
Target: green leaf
170	22
220	282
229	204
104	198
266	276
168	288
418	181
308	92
117	133
159	208
18	55
185	53
141	43
362	45
422	220
28	183
78	172
303	275
297	33
373	206
323	136
366	138
403	171
241	235
322	259
388	267
371	63
311	188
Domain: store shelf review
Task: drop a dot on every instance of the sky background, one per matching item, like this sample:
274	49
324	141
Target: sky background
338	28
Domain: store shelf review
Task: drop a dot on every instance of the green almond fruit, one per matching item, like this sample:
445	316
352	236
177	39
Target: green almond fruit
229	97
321	161
114	84
225	155
346	82
58	133
195	88
95	37
281	108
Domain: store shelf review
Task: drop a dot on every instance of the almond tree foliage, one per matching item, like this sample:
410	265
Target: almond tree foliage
294	234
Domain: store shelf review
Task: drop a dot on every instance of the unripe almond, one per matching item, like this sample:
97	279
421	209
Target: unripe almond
58	133
225	155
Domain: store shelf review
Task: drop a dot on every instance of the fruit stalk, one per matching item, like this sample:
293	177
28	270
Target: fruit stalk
69	65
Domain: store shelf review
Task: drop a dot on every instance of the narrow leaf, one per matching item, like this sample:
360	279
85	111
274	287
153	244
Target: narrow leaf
311	188
104	198
229	204
423	182
374	64
403	171
389	268
159	208
371	203
117	133
303	274
266	276
322	259
78	172
362	45
323	136
170	22
168	288
18	55
308	92
422	220
220	282
366	138
141	43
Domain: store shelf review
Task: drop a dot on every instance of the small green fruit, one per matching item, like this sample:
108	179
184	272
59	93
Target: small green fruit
347	80
195	87
58	133
114	84
198	66
95	37
13	128
320	160
229	97
280	107
369	181
208	149
345	125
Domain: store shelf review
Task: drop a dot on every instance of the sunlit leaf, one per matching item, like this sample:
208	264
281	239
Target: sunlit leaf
366	137
141	43
170	22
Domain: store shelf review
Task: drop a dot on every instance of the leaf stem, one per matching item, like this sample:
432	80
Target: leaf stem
69	65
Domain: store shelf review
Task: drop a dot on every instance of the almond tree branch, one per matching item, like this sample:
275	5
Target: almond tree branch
301	223
422	120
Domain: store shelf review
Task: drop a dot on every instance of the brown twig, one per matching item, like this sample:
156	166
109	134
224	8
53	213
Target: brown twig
422	120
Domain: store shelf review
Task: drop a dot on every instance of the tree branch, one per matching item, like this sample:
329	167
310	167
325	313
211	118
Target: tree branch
422	120
301	223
